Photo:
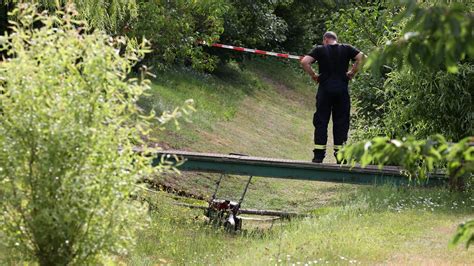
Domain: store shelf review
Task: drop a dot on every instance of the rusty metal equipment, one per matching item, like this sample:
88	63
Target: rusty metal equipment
225	212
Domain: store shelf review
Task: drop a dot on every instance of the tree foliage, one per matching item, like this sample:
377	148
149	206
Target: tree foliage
113	16
305	22
418	157
365	26
176	27
420	99
429	88
69	126
465	233
438	36
422	103
253	24
250	24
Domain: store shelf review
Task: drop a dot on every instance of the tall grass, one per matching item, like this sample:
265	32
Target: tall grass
371	225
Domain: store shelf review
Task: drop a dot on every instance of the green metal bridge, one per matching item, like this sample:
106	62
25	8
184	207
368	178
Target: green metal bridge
238	164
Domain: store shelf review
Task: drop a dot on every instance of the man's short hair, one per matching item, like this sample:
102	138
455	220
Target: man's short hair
330	35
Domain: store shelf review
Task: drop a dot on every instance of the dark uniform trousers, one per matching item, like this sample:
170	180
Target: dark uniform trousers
332	97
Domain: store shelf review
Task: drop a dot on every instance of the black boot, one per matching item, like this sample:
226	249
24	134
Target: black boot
318	155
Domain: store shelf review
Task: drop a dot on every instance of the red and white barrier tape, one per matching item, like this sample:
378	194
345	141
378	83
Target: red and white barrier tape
254	51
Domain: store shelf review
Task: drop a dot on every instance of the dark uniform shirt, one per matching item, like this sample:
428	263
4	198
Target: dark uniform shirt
333	61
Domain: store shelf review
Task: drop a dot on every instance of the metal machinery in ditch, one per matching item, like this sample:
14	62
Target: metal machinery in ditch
225	212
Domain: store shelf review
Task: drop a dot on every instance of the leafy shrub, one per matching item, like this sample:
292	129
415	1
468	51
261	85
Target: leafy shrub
69	123
418	157
366	25
368	98
423	103
114	16
416	103
465	233
174	29
436	34
424	97
253	24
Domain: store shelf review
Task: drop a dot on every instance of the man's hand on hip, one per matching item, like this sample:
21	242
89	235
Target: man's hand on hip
315	77
306	64
350	74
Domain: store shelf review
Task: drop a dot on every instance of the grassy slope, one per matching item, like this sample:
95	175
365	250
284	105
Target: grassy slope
260	110
266	110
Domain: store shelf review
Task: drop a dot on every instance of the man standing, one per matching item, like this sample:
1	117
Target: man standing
333	92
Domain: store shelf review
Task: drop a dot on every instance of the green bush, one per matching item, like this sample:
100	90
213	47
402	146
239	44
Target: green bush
465	233
305	22
435	34
253	24
174	29
418	157
114	16
429	58
69	123
418	94
365	25
423	103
